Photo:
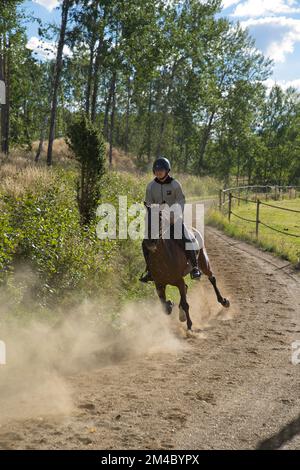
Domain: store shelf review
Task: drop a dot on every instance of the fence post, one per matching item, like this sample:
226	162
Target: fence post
229	205
257	216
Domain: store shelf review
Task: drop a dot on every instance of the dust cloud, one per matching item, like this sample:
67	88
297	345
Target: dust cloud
41	356
43	353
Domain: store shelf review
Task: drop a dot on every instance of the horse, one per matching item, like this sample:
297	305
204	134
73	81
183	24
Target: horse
168	265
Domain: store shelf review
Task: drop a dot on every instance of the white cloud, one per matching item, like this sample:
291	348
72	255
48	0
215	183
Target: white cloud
49	4
229	3
287	31
266	7
45	50
284	84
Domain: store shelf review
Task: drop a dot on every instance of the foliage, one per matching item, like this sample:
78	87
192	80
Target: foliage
88	146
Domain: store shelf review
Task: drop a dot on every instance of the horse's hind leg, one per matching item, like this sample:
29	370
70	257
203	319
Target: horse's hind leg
203	262
167	304
222	300
183	302
205	268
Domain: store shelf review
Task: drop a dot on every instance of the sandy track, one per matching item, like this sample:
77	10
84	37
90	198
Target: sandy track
231	386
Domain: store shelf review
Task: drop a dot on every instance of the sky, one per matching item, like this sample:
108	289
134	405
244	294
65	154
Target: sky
274	24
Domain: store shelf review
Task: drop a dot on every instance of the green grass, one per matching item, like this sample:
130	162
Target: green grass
283	245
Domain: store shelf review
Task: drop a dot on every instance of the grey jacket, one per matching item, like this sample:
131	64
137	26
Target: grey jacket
169	192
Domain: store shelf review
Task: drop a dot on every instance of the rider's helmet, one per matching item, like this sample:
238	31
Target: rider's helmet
161	163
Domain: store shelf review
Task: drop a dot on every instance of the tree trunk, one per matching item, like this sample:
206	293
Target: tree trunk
97	66
126	143
149	124
89	80
205	139
5	74
7	106
57	73
185	156
165	109
98	63
181	152
107	108
238	169
2	106
249	172
112	116
42	137
27	126
173	140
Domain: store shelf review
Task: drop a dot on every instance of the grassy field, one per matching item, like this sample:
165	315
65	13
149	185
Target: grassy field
284	245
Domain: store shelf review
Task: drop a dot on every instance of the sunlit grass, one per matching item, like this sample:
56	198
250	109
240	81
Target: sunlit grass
284	245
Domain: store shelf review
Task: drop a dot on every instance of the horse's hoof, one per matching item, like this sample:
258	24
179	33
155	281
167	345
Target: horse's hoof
169	307
190	332
182	315
226	303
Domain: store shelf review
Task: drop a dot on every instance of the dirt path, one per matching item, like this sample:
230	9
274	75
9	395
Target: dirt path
231	386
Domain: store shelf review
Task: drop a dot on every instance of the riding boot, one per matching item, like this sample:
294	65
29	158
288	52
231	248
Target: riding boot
192	257
147	276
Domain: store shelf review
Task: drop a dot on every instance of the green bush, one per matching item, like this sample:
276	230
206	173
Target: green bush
41	229
8	241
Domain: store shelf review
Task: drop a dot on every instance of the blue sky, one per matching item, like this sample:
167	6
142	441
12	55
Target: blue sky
275	25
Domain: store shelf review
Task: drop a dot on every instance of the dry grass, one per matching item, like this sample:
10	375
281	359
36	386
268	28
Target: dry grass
122	161
61	150
62	154
19	173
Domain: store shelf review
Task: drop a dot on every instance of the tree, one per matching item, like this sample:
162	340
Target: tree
10	37
280	133
88	146
66	4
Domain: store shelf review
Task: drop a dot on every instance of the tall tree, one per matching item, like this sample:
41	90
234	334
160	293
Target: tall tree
65	7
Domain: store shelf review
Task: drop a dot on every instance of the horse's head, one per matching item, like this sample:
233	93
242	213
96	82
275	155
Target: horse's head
153	226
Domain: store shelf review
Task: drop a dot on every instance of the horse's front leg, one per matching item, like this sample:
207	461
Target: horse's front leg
205	268
167	304
183	303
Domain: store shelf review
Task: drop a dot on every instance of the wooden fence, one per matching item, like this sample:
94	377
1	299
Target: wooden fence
258	195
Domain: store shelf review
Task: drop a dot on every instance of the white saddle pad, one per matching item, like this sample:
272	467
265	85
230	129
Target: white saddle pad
198	242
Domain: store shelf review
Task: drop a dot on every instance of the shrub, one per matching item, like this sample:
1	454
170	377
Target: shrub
88	146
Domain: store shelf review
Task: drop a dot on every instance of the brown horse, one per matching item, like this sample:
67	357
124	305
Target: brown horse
168	265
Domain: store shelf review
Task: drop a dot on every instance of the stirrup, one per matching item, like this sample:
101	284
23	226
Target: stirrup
195	273
146	277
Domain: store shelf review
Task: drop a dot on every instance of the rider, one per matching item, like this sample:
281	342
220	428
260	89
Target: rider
165	189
